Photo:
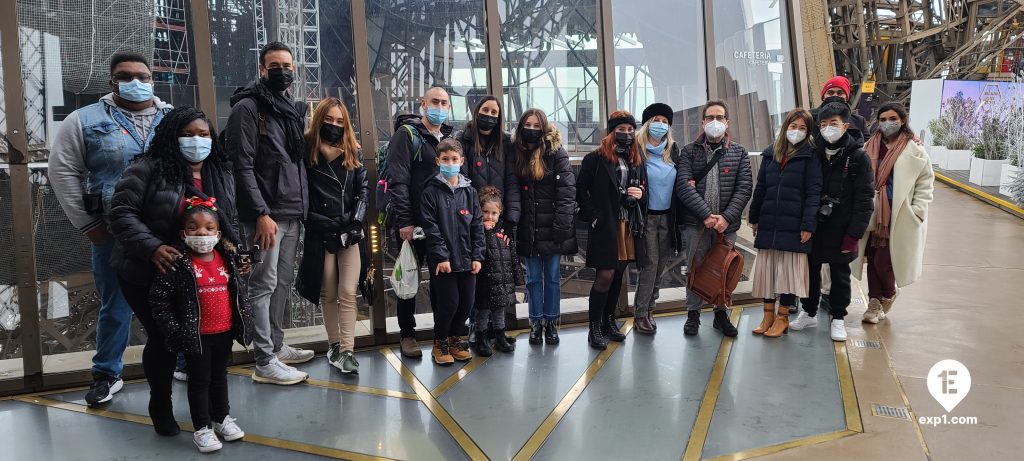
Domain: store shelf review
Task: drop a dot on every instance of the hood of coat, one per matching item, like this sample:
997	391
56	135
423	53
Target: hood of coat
439	181
554	138
805	150
416	121
848	143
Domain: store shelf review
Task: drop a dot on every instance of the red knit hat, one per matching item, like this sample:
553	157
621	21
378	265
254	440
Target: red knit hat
836	82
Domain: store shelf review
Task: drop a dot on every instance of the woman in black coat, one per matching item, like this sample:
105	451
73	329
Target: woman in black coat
545	230
184	160
338	197
783	215
611	195
490	159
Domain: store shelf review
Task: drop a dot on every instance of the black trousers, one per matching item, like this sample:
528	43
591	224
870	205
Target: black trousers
208	380
407	307
454	294
158	363
838	297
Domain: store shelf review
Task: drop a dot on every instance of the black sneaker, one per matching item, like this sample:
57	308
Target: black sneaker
103	389
723	323
692	323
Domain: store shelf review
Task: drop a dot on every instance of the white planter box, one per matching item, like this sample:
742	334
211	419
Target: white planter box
957	160
938	154
1006	175
986	172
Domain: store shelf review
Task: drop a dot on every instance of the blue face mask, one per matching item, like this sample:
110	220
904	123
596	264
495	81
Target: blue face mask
437	116
449	171
135	91
195	149
658	130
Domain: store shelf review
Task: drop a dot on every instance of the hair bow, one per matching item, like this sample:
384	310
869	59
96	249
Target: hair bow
197	202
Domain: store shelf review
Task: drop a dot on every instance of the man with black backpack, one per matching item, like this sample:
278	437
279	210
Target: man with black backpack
264	138
411	162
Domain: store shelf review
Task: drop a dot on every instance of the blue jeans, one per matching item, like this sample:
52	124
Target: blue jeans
543	291
114	325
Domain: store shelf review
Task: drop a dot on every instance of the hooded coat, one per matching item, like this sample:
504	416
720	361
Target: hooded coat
854	190
548	206
453	224
786	200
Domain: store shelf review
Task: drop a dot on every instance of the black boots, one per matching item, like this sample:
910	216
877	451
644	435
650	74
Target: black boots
481	346
536	331
596	337
551	331
692	323
610	329
501	342
723	323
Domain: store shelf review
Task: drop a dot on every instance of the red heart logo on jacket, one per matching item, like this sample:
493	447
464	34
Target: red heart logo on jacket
463	212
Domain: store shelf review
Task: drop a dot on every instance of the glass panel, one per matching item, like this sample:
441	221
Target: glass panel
549	58
659	57
755	70
414	46
10	318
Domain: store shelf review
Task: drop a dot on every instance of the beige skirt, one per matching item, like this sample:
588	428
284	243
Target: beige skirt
779	272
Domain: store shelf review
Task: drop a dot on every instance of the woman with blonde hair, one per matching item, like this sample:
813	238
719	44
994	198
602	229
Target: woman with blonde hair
338	197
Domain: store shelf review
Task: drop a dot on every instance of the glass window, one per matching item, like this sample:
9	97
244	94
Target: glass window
549	59
659	57
10	317
755	68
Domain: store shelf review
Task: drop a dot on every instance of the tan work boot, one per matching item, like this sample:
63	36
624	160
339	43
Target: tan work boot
767	320
781	325
874	313
410	348
458	349
441	353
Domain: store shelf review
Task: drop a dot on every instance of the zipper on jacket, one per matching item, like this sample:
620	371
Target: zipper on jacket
778	194
199	305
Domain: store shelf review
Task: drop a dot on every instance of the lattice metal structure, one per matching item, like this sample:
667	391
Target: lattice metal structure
170	42
299	28
893	42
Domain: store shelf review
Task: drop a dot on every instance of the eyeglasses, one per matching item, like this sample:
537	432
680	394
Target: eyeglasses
126	77
832	124
710	118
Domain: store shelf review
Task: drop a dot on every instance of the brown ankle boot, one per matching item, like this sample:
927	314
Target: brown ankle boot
441	354
767	320
781	324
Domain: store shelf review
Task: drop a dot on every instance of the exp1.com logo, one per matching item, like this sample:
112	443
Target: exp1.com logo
949	381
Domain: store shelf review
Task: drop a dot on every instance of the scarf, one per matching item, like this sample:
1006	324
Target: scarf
883	212
283	107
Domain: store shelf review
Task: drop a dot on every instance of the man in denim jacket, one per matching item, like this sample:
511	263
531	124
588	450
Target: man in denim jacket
90	151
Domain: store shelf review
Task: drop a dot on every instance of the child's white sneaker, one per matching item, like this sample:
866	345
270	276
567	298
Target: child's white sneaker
206	441
228	430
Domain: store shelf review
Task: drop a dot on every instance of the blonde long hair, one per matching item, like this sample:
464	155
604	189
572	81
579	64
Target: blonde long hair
349	146
643	136
782	147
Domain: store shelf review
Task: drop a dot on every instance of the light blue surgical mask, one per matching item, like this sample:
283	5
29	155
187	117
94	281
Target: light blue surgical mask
135	91
658	130
449	171
195	149
437	116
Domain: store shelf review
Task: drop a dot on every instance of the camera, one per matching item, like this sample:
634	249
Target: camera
827	205
93	203
251	255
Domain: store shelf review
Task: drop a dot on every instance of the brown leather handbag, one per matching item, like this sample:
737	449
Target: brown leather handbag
715	277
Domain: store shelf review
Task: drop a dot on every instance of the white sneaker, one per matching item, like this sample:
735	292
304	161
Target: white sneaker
206	441
803	321
228	430
838	330
289	354
181	376
276	372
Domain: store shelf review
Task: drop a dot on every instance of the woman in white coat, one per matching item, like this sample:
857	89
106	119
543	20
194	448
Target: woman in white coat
894	245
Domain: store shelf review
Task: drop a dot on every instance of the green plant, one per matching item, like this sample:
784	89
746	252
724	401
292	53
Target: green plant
992	139
960	119
939	132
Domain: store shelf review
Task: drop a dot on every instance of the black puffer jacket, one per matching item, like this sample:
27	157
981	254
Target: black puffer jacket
146	212
174	299
501	272
489	170
735	183
336	205
410	169
786	200
264	141
453	224
856	193
600	199
546	223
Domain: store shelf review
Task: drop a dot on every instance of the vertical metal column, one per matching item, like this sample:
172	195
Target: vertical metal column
711	66
21	197
204	58
492	26
797	59
605	61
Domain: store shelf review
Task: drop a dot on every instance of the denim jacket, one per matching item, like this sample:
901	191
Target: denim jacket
91	150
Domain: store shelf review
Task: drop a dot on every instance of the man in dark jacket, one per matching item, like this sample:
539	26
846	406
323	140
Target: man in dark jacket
264	140
713	198
847	193
838	89
411	163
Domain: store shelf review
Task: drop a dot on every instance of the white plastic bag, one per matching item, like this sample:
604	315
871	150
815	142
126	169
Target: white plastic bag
406	277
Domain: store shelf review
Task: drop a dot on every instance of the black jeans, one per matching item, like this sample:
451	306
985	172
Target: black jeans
407	307
838	297
454	293
158	363
208	380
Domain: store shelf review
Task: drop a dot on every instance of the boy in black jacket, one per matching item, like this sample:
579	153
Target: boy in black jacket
454	228
496	288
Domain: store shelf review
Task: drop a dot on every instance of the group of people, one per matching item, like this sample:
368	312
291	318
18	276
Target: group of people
197	233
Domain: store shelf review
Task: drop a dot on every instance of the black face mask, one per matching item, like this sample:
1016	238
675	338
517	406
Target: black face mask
331	133
624	140
531	136
486	122
833	99
279	79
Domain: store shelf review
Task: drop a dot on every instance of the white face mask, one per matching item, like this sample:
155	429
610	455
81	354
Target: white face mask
796	136
714	129
831	134
202	244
